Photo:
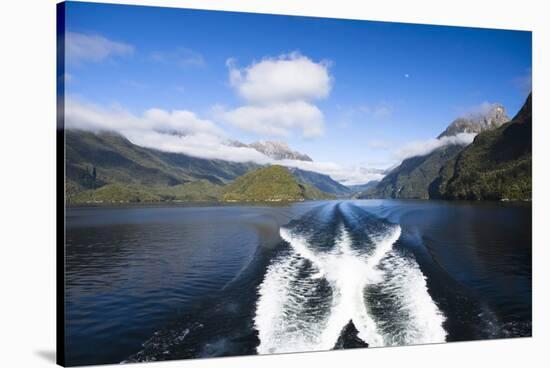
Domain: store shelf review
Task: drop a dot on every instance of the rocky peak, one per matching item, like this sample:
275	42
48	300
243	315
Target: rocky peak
276	150
493	116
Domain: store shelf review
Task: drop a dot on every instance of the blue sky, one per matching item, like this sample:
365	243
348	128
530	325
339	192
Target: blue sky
388	84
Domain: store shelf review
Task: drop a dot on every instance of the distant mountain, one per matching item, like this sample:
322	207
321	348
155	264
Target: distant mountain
413	178
278	151
494	117
496	166
106	167
270	184
322	182
275	150
94	160
363	187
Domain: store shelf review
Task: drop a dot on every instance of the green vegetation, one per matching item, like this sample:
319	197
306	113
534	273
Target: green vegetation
312	193
320	181
106	167
117	160
197	191
129	193
270	184
496	166
115	193
412	179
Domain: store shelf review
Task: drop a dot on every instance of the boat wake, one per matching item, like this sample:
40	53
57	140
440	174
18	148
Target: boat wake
340	265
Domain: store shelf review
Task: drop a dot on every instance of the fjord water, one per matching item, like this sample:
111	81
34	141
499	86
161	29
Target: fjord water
156	283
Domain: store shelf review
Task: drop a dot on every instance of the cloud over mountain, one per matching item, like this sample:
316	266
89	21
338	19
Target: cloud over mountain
424	147
182	131
82	115
460	131
178	131
279	94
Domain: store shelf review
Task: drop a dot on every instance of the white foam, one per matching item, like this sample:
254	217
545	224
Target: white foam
348	274
285	324
279	327
423	322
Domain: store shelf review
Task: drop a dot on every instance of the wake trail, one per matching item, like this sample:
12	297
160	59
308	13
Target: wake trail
308	296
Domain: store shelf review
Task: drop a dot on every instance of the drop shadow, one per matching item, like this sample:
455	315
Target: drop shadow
48	355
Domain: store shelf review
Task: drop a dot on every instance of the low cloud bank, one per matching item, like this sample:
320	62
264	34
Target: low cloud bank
177	131
347	175
425	147
182	131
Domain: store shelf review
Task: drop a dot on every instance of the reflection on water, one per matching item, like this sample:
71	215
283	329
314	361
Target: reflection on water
131	270
485	248
179	282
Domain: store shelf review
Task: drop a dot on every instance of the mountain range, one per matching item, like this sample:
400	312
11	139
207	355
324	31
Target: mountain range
106	167
114	159
274	149
496	165
492	117
322	182
413	177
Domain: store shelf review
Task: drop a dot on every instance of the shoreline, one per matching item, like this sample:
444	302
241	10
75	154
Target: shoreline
283	203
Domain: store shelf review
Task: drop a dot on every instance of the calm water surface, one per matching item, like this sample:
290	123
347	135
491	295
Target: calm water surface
157	283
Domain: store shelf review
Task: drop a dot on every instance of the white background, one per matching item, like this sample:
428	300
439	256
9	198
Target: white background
27	180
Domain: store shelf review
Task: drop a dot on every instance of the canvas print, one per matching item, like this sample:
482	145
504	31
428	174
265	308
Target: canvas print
241	184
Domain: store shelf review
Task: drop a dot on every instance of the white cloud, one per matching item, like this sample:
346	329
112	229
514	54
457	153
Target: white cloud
288	77
278	93
477	110
182	121
196	137
197	145
177	131
80	115
277	119
172	131
182	57
422	148
347	175
80	47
